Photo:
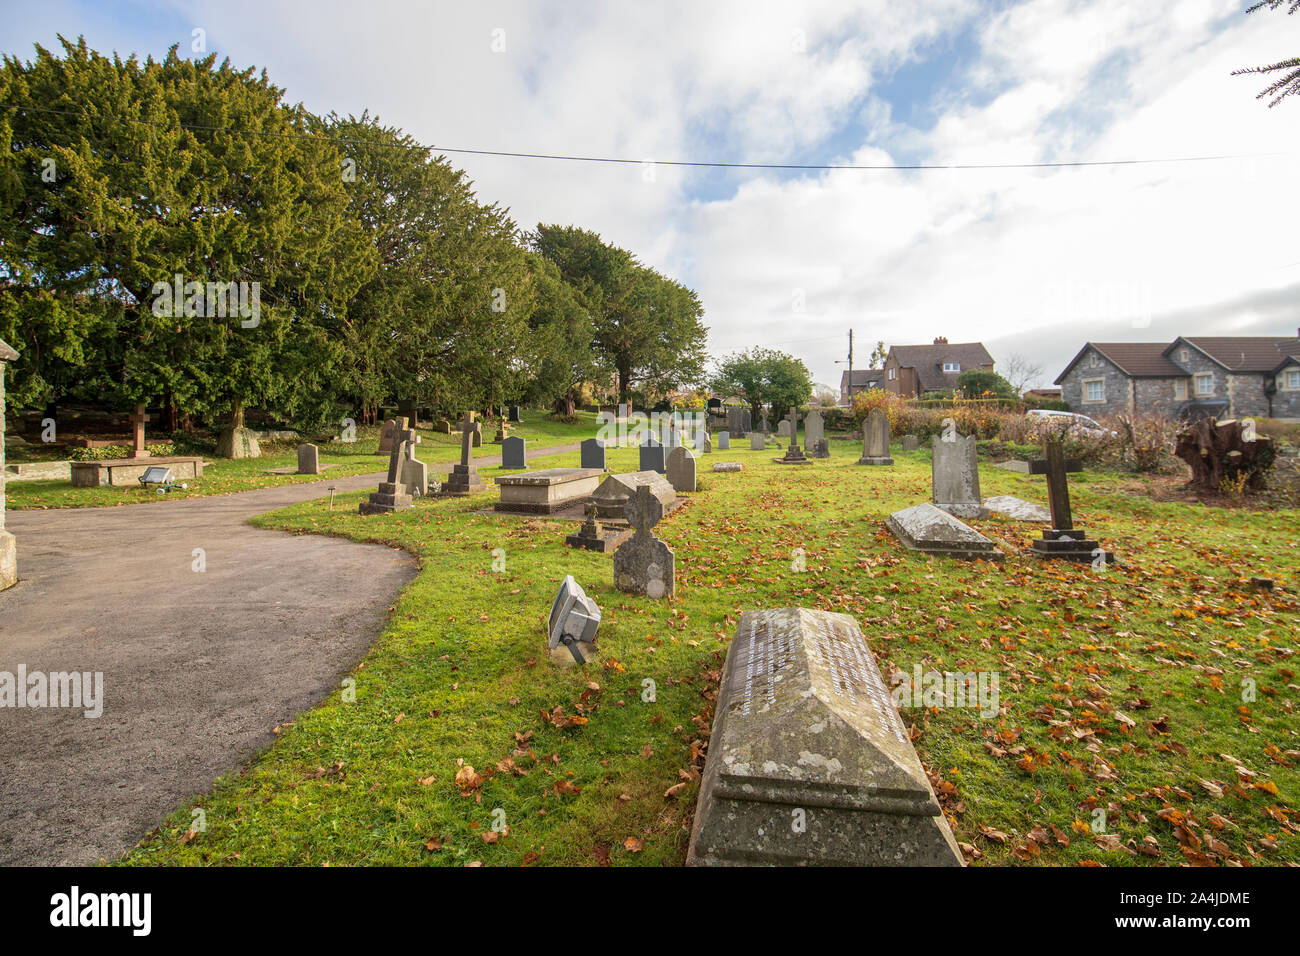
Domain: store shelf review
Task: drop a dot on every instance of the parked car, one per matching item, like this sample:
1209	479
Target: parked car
1071	422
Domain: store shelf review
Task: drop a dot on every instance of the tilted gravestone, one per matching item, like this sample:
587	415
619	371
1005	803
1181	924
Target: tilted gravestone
724	441
809	762
814	428
926	528
644	564
464	478
391	495
514	452
955	474
1063	541
681	470
415	474
593	453
308	459
875	439
653	456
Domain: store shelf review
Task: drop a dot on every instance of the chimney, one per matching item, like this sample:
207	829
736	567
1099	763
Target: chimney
941	340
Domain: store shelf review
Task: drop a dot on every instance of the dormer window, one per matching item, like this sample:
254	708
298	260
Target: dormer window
952	366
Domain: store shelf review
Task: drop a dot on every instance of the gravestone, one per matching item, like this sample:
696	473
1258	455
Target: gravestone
746	422
308	459
814	429
386	433
955	475
807	732
514	453
503	432
927	528
464	478
911	443
783	429
415	475
653	456
592	451
875	439
724	441
613	494
476	435
8	543
763	426
793	454
442	426
592	536
821	448
1017	508
756	441
644	563
1063	541
736	421
138	419
514	414
391	495
728	466
681	470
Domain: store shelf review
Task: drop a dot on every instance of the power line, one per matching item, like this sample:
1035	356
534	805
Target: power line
614	160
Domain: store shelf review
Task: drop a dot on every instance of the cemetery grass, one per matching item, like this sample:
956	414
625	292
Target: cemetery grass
1122	737
225	476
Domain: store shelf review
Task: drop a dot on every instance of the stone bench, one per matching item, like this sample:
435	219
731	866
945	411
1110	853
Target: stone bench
127	471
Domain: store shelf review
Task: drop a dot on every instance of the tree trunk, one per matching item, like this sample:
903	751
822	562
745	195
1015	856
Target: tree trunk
565	405
237	413
1218	450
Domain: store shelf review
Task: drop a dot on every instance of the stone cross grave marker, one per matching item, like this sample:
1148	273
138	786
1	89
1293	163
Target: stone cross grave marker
793	454
809	761
1063	541
138	419
464	478
391	495
644	563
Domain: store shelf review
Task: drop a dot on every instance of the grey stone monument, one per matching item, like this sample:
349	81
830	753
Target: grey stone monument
911	443
653	456
756	441
593	453
875	439
644	563
728	466
956	475
464	478
391	495
927	528
514	453
793	453
415	475
724	441
814	428
782	429
681	470
809	762
308	459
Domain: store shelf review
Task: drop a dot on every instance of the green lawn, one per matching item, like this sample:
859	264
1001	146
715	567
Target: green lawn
1121	690
223	476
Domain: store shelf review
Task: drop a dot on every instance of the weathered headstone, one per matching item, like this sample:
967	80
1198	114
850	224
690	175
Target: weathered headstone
1063	541
386	433
644	564
514	453
681	470
783	429
724	441
391	495
955	474
756	441
728	466
927	528
8	543
793	454
911	443
308	459
821	448
592	451
514	413
814	428
806	733
875	439
592	535
442	426
476	435
736	421
415	476
238	442
464	478
653	456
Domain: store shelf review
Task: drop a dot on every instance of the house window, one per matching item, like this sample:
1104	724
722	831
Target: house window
1180	389
1093	361
1205	384
891	374
952	366
1292	378
1182	356
1094	390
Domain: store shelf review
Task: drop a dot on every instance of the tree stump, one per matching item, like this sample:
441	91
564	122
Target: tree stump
1218	450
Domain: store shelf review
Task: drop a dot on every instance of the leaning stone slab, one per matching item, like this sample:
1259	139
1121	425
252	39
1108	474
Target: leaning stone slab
934	531
809	762
1012	507
546	492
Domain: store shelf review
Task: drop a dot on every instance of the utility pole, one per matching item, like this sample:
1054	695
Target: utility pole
850	367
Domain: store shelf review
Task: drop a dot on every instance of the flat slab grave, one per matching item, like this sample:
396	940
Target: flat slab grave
1012	507
127	471
926	528
546	492
809	762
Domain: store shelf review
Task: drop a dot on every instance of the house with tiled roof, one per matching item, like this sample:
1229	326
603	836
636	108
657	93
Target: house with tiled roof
1193	376
916	370
860	380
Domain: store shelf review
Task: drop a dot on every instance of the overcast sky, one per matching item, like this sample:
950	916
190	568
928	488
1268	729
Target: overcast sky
1029	261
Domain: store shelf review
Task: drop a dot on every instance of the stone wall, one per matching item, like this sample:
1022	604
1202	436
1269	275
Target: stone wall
1286	403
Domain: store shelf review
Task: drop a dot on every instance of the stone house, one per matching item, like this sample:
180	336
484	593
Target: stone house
860	380
1191	377
916	370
